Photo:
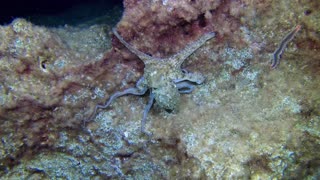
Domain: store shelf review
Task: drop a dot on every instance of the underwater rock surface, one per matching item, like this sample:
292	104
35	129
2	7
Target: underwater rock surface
246	121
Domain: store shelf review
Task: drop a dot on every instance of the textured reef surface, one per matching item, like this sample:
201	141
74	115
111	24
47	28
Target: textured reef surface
246	120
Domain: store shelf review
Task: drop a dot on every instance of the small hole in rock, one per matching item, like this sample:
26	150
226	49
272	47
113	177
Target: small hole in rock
43	64
307	12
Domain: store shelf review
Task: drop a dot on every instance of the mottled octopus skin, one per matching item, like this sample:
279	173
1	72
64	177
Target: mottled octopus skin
163	77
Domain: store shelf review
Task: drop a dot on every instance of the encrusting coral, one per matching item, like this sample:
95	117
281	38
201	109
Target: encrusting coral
163	77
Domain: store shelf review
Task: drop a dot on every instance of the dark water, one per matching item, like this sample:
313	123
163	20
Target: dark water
59	12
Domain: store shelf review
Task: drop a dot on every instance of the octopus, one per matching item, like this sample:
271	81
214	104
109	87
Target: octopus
163	78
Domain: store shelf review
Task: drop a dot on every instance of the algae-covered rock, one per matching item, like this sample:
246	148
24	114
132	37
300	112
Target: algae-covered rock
246	121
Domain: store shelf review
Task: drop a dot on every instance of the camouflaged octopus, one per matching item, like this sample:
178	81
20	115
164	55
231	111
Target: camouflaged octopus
163	77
